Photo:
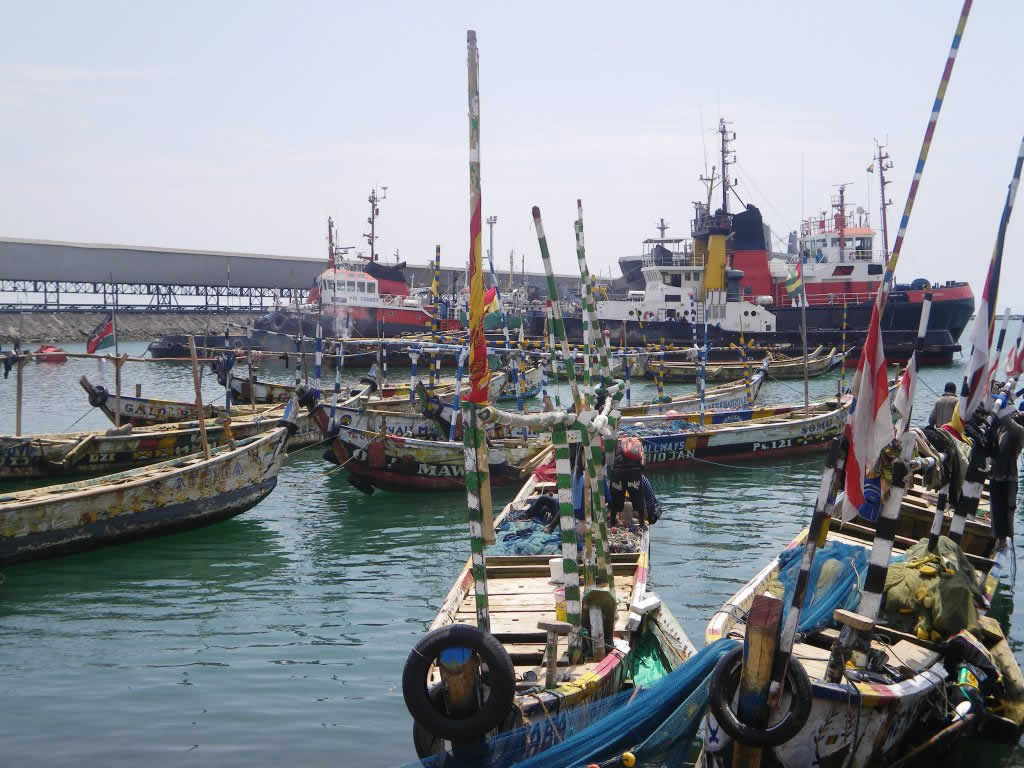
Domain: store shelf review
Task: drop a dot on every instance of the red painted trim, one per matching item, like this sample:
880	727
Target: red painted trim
796	450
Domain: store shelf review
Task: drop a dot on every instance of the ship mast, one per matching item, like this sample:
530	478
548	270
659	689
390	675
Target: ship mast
727	137
840	220
371	238
330	243
884	164
661	226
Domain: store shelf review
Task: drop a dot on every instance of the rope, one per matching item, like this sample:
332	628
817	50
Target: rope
68	429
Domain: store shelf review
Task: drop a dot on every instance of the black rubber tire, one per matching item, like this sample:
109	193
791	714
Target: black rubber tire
724	681
98	397
426	743
501	679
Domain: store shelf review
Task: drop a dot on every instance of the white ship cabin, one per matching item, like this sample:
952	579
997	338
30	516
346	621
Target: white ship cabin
838	265
673	290
347	287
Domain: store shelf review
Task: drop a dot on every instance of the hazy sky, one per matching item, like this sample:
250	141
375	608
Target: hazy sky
242	126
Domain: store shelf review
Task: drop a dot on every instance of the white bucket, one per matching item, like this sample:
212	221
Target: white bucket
555	566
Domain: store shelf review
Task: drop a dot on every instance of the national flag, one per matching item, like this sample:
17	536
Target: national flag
314	292
794	282
904	402
491	303
102	335
869	428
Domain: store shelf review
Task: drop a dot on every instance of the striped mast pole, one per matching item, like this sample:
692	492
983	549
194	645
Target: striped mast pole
550	320
414	358
318	357
478	481
974	478
435	320
560	439
332	417
598	463
463	355
842	368
999	353
885	528
511	367
832	477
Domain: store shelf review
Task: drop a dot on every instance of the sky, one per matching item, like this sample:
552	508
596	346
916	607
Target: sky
243	126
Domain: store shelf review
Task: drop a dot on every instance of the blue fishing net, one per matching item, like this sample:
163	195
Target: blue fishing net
836	576
656	723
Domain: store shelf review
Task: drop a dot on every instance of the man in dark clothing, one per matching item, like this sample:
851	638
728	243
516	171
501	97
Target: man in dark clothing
942	412
1009	439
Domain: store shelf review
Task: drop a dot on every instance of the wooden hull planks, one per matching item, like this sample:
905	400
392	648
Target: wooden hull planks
818	362
729	396
781	431
400	464
175	495
31	456
147	411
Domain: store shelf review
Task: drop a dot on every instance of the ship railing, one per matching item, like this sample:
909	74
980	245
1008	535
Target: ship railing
686	258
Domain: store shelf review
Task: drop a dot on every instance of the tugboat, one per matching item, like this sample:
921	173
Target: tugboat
354	298
727	276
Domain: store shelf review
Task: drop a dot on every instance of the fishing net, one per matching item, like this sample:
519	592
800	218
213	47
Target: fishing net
834	582
932	594
657	724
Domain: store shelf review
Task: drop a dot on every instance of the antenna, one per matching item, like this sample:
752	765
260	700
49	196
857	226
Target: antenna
728	158
371	237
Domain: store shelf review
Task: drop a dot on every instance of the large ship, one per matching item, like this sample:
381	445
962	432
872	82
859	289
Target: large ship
726	279
360	297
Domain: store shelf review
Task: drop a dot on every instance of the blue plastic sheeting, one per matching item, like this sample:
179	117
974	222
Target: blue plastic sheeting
656	723
836	575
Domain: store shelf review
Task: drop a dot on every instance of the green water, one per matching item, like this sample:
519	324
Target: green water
279	636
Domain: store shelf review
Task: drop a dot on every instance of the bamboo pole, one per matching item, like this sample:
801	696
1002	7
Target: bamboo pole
20	390
199	397
118	362
478	484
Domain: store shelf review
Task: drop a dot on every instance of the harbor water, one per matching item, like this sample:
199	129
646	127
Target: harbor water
278	637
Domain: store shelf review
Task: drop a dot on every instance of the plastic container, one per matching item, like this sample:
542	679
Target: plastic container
560	612
555	566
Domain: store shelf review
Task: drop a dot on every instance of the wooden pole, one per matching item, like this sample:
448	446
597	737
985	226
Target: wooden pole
118	362
20	388
759	644
199	396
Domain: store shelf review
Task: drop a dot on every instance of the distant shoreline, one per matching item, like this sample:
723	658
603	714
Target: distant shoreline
64	327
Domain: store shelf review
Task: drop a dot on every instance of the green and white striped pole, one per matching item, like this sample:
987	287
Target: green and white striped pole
597	463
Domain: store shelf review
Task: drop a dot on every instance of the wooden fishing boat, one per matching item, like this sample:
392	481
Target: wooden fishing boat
522	597
529	380
819	361
729	396
393	463
147	411
672	441
56	455
887	708
185	492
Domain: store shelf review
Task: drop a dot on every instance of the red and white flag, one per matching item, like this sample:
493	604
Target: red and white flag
1015	361
869	429
975	388
904	402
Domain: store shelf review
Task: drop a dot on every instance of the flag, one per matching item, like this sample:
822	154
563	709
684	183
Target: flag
102	335
794	282
314	292
491	303
1015	361
869	428
904	402
975	388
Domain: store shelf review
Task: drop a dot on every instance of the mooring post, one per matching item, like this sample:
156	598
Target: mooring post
199	396
118	362
759	644
20	388
554	629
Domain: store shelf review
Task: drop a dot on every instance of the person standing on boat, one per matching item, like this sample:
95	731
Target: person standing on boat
628	478
1007	444
942	412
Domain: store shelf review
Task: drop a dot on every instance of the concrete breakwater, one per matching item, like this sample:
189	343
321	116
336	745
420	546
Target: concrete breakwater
63	327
